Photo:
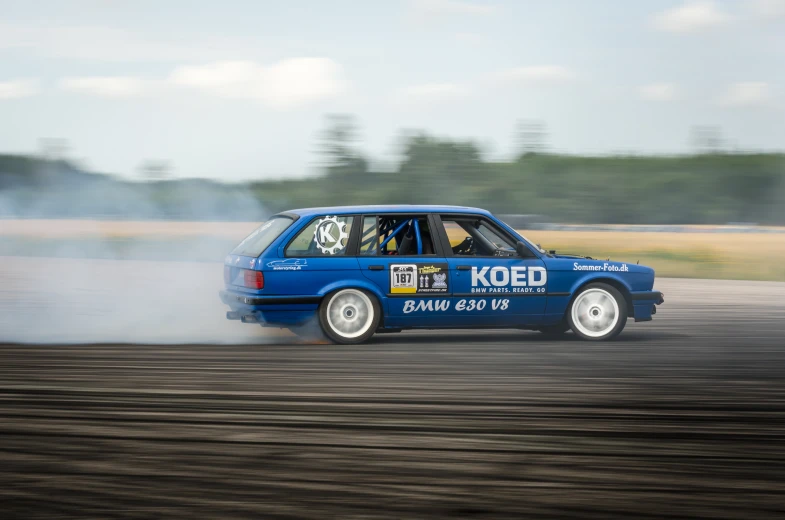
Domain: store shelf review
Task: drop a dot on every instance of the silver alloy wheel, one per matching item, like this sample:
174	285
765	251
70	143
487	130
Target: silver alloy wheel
350	313
595	312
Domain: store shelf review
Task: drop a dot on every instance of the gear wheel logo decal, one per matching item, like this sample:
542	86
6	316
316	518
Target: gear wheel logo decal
330	235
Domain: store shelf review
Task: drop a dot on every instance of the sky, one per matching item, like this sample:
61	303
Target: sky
239	89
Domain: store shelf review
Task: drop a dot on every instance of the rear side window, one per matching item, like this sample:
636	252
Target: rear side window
324	236
405	235
255	243
369	239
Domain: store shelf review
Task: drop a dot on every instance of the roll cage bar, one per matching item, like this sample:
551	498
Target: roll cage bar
404	229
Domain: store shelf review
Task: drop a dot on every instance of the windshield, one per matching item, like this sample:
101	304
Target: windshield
498	241
255	243
536	246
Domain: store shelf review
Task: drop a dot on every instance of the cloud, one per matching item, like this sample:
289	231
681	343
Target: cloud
747	94
284	84
425	10
659	92
106	86
692	16
538	75
433	93
18	88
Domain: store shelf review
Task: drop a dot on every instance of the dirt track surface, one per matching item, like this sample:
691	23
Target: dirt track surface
682	417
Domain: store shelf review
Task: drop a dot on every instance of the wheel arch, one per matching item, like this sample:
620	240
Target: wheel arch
373	295
613	282
351	284
357	284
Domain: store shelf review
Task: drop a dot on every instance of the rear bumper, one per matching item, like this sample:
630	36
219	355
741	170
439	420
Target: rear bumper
269	310
230	298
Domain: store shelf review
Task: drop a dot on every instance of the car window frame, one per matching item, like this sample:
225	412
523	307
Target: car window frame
445	239
351	242
358	251
432	225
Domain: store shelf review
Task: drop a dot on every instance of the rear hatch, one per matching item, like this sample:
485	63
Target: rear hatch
242	268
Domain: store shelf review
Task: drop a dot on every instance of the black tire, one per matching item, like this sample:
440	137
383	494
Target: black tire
349	316
556	330
598	312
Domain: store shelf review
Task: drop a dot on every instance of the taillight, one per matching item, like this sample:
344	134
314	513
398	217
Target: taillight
253	279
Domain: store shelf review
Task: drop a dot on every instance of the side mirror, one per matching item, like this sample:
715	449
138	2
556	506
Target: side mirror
522	250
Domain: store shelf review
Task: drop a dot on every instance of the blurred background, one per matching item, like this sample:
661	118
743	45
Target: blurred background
636	130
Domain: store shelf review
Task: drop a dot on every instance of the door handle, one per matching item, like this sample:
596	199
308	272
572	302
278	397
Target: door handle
376	267
464	268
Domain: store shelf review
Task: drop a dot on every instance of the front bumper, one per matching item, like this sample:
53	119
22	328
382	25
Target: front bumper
656	296
644	304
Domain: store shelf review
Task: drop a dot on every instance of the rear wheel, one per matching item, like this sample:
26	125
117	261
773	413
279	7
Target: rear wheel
598	312
349	316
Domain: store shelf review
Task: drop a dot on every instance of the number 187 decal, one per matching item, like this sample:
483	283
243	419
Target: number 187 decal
403	279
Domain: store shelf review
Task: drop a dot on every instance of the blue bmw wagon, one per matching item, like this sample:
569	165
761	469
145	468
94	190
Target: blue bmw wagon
357	270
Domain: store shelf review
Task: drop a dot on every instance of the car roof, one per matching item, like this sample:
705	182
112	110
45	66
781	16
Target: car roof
391	208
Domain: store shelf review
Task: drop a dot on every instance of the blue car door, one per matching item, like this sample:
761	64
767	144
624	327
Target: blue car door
398	254
491	284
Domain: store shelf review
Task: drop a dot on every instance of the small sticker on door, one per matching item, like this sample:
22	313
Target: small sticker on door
432	278
403	279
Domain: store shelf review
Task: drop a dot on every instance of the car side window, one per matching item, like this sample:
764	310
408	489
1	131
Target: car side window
369	237
497	239
476	237
323	236
405	235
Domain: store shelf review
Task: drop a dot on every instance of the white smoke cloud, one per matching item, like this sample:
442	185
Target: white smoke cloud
79	300
97	280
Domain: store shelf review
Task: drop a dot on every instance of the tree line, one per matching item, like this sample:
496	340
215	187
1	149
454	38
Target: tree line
704	188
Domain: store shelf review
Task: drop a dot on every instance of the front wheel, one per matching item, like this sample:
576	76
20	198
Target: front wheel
349	316
598	312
